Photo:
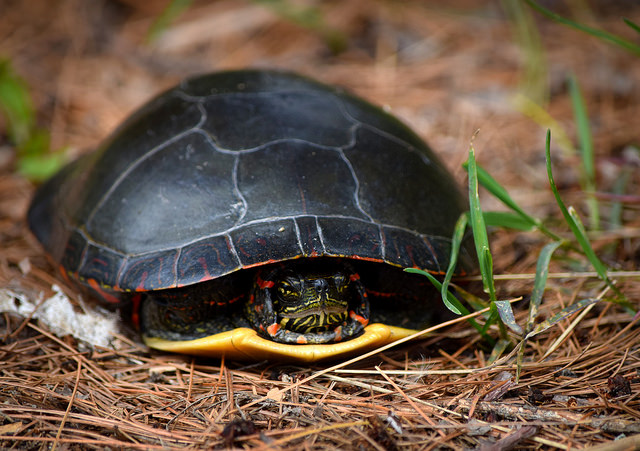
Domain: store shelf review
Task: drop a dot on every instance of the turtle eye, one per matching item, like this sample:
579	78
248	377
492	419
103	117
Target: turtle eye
286	290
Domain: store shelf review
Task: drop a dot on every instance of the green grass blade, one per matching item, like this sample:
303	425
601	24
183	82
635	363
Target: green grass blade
584	133
452	302
472	300
490	184
32	144
533	79
580	233
486	270
620	187
494	318
631	24
580	236
166	17
15	104
39	168
540	282
544	325
600	34
498	350
569	219
586	150
456	241
542	117
479	228
481	241
574	223
597	264
564	313
508	318
491	318
507	220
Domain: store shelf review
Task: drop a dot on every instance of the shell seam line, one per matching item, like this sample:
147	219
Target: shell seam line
384	134
232	247
409	147
217	147
320	235
214	142
298	236
356	191
236	188
258	221
142	159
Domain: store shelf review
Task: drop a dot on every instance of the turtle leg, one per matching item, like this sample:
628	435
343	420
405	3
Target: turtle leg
360	312
259	307
190	312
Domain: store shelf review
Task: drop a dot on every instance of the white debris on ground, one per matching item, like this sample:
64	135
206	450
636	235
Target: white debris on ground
94	326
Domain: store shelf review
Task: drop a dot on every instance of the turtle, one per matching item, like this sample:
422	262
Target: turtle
257	214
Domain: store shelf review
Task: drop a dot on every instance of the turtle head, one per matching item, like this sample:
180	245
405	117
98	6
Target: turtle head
309	303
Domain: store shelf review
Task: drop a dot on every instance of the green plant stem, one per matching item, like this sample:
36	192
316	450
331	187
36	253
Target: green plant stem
600	34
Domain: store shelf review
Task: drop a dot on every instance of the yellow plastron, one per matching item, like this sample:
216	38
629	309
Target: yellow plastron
246	344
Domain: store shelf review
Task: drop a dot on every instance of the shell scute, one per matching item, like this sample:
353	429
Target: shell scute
273	240
152	271
351	237
276	116
239	169
207	259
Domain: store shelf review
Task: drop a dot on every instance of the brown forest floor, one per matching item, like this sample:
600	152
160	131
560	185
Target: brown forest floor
446	71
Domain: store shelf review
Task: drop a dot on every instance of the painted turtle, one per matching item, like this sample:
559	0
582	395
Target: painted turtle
257	214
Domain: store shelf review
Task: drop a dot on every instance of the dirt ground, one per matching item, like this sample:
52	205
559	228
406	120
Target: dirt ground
448	72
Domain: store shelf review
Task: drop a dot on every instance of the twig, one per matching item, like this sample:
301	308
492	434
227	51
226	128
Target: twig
66	413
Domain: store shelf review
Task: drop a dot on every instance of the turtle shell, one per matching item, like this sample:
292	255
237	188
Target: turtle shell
239	169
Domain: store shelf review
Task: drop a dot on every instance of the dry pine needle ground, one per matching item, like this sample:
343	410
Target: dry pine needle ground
445	71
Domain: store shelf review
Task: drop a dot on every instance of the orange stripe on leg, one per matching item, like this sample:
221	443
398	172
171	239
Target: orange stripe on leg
361	319
273	329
